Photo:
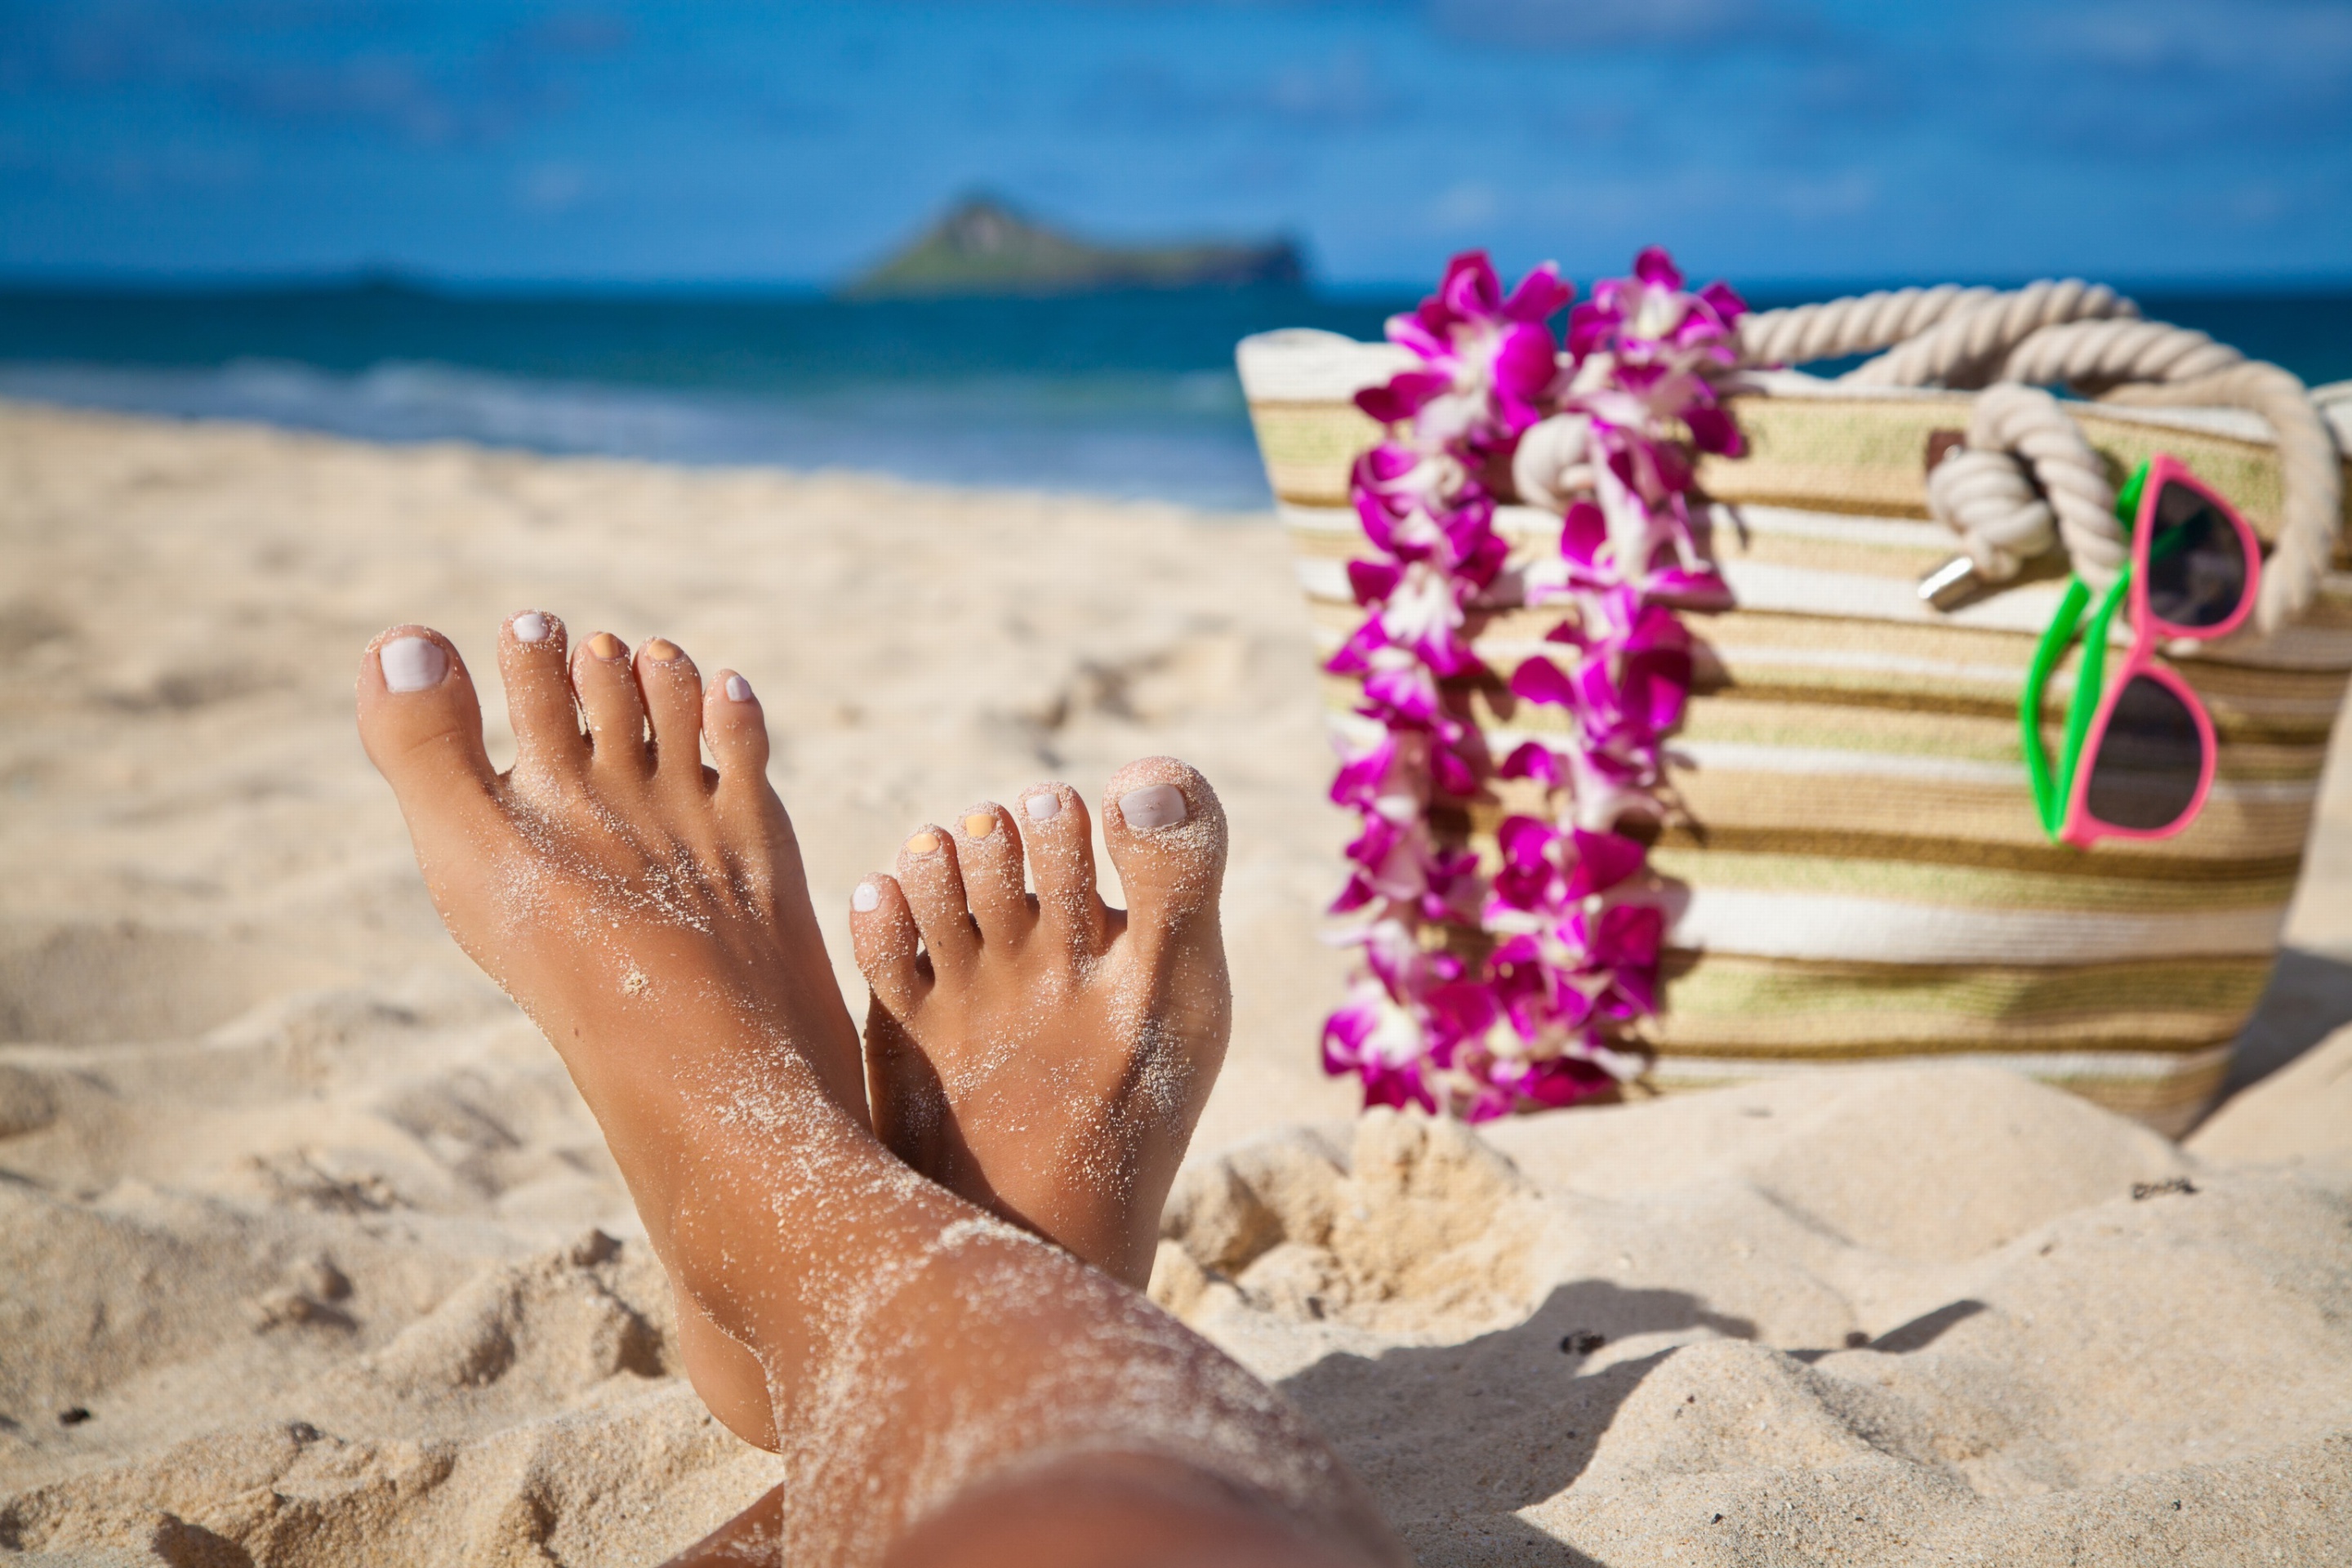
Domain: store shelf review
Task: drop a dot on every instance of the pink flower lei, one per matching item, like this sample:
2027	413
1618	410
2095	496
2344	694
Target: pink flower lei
1485	994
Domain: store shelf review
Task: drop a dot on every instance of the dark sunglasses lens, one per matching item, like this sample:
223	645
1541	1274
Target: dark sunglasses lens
2149	759
2197	563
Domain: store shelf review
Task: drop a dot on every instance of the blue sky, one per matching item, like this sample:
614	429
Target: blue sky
486	139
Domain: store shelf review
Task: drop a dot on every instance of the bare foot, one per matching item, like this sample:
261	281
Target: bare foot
649	912
602	858
1044	1056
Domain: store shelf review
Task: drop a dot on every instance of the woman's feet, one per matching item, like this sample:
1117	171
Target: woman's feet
919	1360
1042	1055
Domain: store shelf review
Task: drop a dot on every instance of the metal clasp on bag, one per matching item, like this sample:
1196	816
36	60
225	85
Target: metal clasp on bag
1952	584
1955	582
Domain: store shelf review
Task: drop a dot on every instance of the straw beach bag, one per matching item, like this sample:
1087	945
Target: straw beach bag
1858	870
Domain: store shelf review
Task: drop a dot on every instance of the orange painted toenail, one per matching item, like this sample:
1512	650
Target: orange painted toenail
980	825
922	843
605	645
661	650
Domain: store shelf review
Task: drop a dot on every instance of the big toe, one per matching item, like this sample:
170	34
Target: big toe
1165	830
422	725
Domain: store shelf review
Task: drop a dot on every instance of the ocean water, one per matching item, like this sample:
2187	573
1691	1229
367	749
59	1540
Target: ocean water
1129	394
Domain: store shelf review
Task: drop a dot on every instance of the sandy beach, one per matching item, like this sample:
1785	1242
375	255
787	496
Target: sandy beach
310	1255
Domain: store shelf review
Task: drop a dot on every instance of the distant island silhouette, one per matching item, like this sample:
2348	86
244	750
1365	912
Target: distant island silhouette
984	246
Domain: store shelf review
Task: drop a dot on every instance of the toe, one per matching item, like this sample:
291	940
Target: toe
738	731
671	689
600	673
539	702
1166	833
422	725
1059	841
988	851
933	881
882	932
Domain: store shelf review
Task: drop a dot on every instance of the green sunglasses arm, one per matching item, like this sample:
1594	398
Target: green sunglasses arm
2090	685
2047	654
2051	794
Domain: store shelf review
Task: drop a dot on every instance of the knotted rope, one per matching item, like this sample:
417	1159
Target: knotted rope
2026	478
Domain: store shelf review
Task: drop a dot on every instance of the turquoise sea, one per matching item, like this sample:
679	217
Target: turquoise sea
1126	395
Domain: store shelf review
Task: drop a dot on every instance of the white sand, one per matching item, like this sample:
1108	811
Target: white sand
313	1226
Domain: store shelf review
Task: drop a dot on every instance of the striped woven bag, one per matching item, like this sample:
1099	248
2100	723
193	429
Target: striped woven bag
1857	872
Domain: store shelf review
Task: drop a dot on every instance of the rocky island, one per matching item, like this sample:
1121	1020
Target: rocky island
985	246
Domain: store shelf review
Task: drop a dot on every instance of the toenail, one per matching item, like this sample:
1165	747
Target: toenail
605	645
412	664
1042	807
661	650
737	689
980	825
529	626
1153	805
866	899
923	843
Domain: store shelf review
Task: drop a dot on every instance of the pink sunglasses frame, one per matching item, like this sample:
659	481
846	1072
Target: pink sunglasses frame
2081	827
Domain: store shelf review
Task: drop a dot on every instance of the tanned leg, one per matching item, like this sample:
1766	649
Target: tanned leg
942	1386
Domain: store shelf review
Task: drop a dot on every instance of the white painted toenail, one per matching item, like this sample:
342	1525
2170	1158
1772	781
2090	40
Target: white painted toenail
1042	807
1153	805
412	664
737	689
866	899
529	626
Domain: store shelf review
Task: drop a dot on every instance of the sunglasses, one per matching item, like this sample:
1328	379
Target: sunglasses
2195	570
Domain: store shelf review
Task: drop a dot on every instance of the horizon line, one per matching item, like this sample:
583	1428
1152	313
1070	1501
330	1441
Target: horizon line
153	283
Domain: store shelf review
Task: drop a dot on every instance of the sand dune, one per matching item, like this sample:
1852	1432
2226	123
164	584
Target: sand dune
309	1253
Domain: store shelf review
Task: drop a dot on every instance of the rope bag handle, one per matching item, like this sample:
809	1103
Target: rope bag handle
2025	477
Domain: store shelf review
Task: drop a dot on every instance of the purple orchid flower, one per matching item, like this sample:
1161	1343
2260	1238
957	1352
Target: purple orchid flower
1494	355
1533	760
1623	945
1400	866
1546	869
1428	511
1648	316
1394	955
1386	780
1383	1043
1537	993
1554	1083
